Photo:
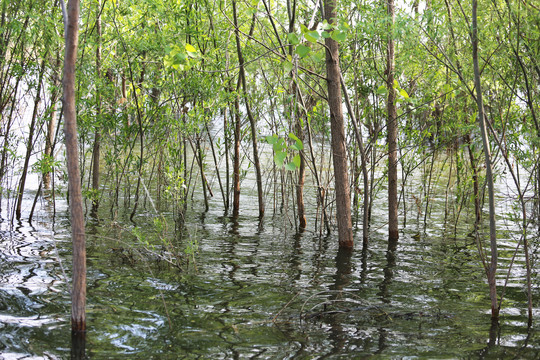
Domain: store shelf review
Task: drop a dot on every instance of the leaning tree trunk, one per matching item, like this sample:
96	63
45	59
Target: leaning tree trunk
78	291
392	129
492	268
339	149
30	143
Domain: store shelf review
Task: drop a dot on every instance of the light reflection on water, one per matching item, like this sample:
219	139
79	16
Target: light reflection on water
428	298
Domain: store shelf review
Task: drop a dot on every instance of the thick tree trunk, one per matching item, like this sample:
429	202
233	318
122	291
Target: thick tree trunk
492	268
339	149
78	292
392	129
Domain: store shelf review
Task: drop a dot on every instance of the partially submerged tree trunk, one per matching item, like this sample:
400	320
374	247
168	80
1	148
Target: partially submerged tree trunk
78	291
253	126
30	143
51	125
97	133
392	129
492	267
339	146
236	160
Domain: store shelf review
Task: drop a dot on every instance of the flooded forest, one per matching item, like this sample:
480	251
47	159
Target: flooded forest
291	179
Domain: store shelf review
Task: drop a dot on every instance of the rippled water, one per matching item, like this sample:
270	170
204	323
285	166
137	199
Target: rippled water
257	291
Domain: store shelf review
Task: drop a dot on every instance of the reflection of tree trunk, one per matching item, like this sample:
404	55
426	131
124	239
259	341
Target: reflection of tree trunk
78	292
492	268
388	274
392	128
342	279
339	149
30	144
78	346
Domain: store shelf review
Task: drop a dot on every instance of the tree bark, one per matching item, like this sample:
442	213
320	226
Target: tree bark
392	129
78	292
339	149
492	269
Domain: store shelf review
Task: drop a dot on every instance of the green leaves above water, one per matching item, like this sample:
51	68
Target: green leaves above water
284	151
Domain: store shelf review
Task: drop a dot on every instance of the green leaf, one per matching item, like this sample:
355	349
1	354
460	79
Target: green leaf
447	88
293	39
404	93
312	36
382	90
396	84
325	34
279	157
287	66
180	57
271	139
302	50
190	48
278	145
317	56
290	166
292	136
326	25
338	35
296	160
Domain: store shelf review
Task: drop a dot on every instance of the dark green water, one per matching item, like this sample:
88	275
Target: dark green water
257	292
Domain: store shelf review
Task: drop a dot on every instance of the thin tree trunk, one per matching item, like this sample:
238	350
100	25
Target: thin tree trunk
358	134
227	169
253	125
30	144
211	141
492	269
392	129
476	191
78	292
236	162
51	126
339	149
97	133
